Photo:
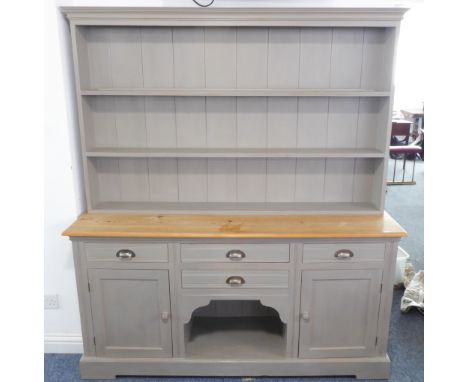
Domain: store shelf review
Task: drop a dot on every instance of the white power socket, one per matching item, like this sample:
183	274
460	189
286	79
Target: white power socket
51	301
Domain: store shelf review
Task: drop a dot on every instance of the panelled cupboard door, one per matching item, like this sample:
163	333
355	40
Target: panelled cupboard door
339	313
131	312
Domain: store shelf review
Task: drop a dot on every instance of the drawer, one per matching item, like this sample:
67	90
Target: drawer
235	279
233	253
126	252
343	252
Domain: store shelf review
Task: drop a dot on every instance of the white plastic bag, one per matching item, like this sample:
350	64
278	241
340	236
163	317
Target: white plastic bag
414	294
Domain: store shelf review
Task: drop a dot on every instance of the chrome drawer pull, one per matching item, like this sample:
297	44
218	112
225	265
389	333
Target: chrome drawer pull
235	280
344	254
125	254
235	254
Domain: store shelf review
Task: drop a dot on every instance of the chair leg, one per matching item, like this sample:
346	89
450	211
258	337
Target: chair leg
394	169
414	165
404	168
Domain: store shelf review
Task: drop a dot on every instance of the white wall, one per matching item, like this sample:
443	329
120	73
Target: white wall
63	195
64	199
409	73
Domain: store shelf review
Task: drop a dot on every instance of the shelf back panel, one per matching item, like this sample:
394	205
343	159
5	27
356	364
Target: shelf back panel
235	57
234	181
235	122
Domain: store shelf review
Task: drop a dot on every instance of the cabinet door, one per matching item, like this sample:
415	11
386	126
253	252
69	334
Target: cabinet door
131	312
339	313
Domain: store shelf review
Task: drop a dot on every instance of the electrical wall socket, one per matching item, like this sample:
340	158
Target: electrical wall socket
51	301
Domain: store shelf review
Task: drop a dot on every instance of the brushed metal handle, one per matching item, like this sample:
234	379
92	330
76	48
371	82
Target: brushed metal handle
235	254
125	254
305	316
165	316
235	280
344	254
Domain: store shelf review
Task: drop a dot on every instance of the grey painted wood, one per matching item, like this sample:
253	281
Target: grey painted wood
339	313
239	92
221	122
130	122
282	122
129	310
266	16
251	180
157	57
234	153
134	181
219	279
189	57
236	122
252	122
252	58
163	180
107	251
315	55
310	180
280	180
361	252
126	57
283	52
362	368
222	180
342	122
200	253
160	122
312	122
339	175
220	57
346	58
192	180
191	121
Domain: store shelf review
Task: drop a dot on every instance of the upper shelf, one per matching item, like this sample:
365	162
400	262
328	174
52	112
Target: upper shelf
237	92
234	153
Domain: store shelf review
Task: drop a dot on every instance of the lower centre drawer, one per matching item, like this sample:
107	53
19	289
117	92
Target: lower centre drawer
235	279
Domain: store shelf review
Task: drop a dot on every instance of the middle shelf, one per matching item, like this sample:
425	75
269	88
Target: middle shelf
104	152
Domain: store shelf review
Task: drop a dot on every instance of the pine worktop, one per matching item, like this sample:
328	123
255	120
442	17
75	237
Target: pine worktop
234	226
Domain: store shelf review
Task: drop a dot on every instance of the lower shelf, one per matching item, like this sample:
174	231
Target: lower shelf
236	338
238	208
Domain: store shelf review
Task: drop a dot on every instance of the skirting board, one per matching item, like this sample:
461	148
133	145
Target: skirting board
63	343
109	368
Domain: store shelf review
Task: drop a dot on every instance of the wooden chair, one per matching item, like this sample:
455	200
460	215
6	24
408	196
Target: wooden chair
400	128
409	151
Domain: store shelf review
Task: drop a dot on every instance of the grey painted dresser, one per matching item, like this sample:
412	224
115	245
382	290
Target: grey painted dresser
234	164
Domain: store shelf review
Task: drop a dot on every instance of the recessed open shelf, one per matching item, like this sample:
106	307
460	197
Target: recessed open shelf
239	330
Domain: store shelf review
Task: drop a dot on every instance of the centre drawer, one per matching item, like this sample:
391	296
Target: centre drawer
235	279
234	253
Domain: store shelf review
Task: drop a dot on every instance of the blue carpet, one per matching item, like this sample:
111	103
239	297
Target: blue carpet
406	345
406	205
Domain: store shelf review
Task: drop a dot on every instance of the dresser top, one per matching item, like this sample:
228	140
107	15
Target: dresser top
234	226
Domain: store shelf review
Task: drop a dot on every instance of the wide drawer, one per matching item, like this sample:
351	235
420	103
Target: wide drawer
234	279
335	252
234	253
126	252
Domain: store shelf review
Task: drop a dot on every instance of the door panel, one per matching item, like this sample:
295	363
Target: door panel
339	313
131	312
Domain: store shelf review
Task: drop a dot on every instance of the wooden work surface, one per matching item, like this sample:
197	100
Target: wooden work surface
234	226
